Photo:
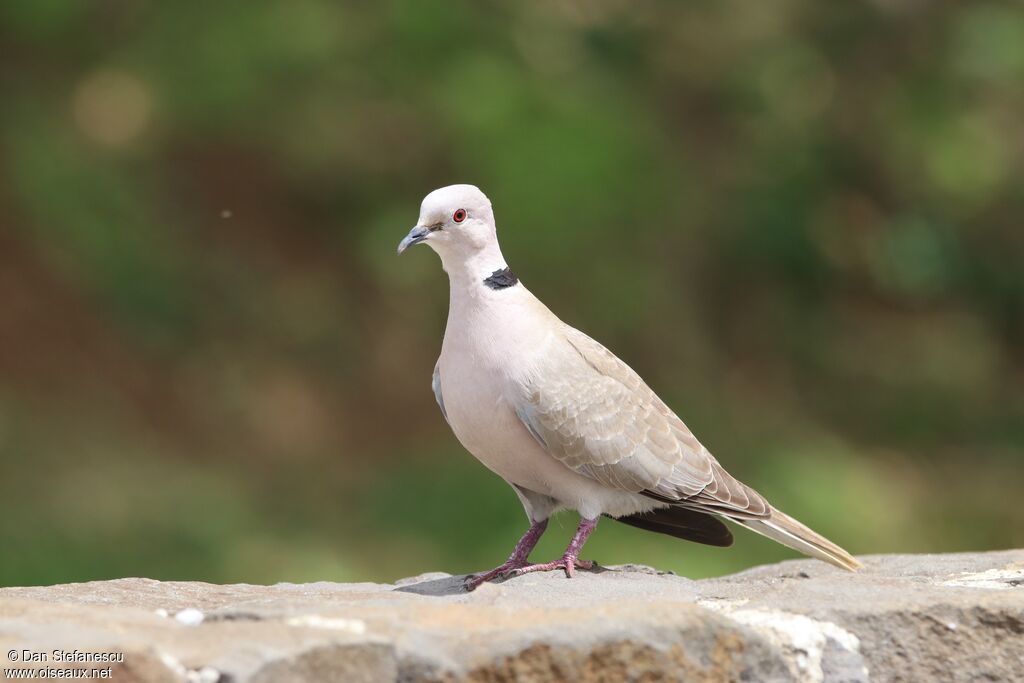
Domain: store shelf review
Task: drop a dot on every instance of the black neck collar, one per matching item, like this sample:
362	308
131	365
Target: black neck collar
501	279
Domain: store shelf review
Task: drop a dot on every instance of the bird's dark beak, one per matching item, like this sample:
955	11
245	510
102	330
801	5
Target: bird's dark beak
415	236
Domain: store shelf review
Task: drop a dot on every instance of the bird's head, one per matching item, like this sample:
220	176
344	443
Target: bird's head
455	221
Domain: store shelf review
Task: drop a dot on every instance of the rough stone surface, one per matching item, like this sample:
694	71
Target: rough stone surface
904	618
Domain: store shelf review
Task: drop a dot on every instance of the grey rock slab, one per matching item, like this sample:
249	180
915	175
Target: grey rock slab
953	617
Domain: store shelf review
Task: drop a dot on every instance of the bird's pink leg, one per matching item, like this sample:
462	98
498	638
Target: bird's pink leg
516	560
570	560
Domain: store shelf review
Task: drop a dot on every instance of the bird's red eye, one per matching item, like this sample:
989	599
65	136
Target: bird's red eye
459	216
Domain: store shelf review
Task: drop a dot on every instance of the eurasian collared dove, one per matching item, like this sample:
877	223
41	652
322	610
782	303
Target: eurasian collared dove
562	420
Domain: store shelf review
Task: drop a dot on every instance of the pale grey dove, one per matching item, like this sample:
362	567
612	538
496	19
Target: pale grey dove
561	419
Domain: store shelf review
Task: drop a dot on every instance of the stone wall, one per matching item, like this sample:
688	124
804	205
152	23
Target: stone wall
904	618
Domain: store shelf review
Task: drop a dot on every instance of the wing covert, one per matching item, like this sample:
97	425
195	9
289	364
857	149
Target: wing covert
595	415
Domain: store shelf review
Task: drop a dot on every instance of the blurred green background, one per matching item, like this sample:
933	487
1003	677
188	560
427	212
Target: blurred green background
799	221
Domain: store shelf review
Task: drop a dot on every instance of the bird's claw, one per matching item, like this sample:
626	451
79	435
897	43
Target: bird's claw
566	563
509	570
474	581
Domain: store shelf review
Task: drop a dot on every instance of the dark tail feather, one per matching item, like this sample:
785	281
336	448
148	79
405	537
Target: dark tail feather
682	523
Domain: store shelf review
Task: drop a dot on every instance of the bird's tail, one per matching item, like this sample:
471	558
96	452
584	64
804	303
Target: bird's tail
791	533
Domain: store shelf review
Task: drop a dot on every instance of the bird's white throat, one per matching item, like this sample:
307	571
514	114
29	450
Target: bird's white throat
467	271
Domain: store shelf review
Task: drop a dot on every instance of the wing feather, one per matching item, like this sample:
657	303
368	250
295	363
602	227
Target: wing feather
435	384
594	414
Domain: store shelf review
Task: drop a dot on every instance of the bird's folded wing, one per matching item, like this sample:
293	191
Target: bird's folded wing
435	384
594	414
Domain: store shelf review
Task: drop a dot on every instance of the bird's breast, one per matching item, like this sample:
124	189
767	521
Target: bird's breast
474	391
480	387
479	372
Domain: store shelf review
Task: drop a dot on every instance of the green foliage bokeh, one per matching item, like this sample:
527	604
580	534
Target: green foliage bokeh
799	221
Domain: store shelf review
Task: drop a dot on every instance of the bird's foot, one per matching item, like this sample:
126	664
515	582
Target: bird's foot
566	562
516	565
516	560
474	581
